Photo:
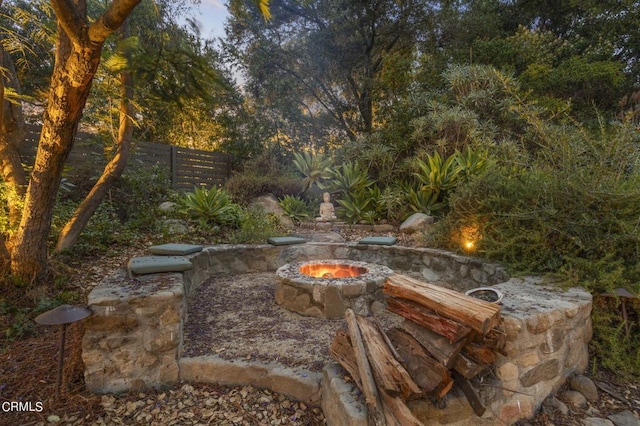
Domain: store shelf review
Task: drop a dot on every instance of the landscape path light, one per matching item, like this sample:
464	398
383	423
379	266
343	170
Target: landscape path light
62	315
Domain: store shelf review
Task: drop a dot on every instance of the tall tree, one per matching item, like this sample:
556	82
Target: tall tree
12	131
78	48
115	167
318	63
80	39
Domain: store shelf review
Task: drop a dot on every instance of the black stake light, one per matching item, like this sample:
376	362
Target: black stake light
62	315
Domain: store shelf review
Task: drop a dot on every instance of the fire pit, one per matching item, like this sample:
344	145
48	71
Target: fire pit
326	288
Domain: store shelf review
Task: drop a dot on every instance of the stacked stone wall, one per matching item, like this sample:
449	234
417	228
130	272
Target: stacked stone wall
134	337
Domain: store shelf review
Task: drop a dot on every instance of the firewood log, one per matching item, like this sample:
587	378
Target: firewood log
433	377
480	315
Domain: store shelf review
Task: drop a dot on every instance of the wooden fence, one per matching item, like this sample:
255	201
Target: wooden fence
186	167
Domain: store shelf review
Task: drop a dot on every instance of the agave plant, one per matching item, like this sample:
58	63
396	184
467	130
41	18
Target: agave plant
314	168
471	162
350	178
361	205
438	174
210	206
295	208
423	199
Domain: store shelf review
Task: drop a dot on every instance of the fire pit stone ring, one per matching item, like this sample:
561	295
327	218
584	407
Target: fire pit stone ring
326	288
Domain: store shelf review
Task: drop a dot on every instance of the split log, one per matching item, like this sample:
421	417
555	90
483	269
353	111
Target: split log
470	394
389	373
467	367
372	398
342	351
438	346
495	339
433	377
479	315
480	354
452	330
397	412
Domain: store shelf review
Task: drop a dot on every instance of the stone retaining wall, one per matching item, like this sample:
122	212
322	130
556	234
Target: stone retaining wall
134	336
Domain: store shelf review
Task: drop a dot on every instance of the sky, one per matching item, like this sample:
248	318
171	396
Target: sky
211	15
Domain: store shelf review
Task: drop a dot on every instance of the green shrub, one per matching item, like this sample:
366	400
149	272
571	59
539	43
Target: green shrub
129	211
103	230
137	195
211	206
295	208
5	226
245	186
437	174
613	347
393	203
361	205
423	200
350	178
255	226
17	322
262	175
573	213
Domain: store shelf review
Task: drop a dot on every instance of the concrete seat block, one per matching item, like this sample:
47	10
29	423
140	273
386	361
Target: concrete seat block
153	264
175	249
285	241
381	241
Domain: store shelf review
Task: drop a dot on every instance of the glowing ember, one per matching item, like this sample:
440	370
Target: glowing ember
323	270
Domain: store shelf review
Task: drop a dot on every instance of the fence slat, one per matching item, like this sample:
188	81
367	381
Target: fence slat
187	167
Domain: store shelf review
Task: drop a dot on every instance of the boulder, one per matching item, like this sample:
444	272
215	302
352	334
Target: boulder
326	237
574	398
167	207
176	226
597	421
416	222
585	386
624	418
270	205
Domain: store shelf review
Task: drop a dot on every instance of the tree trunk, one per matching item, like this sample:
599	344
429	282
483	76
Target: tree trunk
78	50
112	171
12	133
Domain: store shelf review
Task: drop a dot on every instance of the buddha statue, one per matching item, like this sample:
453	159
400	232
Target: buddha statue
327	211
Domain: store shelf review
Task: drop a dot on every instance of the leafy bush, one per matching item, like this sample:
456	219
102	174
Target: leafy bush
103	230
295	208
5	193
393	203
255	226
137	195
614	347
244	187
573	212
437	174
16	320
262	175
437	177
211	206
